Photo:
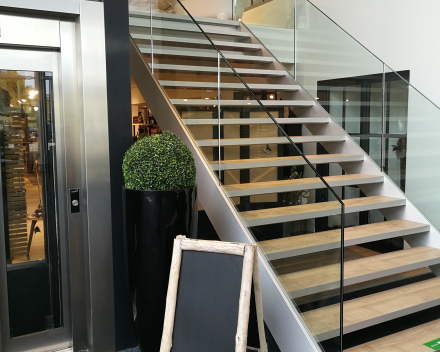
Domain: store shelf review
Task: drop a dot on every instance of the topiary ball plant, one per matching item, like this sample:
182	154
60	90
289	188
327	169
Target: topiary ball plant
159	162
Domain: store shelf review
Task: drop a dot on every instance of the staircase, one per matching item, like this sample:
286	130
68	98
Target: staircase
260	173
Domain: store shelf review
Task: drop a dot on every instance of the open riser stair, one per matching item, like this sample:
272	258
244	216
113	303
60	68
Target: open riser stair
294	218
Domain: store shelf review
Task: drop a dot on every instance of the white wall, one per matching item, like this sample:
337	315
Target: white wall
206	8
402	33
198	8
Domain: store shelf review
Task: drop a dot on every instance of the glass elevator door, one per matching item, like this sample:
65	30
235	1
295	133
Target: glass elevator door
32	264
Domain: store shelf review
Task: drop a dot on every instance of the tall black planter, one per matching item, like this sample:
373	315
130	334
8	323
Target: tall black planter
152	219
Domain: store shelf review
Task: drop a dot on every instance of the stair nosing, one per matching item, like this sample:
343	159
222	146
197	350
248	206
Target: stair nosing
373	236
286	161
379	273
192	29
138	13
251	121
290	186
184	40
191	84
206	54
242	71
271	140
252	103
382	318
257	218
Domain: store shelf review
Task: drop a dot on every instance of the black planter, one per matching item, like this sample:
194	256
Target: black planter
152	219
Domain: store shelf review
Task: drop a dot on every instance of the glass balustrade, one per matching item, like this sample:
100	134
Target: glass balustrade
377	106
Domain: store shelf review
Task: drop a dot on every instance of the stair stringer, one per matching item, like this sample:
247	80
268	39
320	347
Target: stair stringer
282	318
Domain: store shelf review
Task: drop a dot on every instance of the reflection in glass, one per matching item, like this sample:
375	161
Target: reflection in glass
27	143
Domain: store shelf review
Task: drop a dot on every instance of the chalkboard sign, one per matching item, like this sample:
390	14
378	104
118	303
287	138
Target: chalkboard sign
208	299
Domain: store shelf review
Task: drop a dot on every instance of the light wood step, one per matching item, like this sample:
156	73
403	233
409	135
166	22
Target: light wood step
387	280
325	278
249	103
235	86
248	189
203	53
286	161
410	340
143	24
162	40
271	140
317	210
374	309
323	241
258	121
223	70
145	13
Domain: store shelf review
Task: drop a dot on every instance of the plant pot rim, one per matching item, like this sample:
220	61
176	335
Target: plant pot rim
158	190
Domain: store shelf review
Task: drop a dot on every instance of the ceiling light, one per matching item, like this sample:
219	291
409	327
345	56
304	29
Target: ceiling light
36	108
346	100
317	98
271	96
207	98
23	100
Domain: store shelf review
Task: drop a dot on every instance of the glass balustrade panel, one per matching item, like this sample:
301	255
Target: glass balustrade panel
411	150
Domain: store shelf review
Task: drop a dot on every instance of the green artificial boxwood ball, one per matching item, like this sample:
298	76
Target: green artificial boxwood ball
159	162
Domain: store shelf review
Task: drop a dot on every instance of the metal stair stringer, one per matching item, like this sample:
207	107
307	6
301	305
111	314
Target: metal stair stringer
282	318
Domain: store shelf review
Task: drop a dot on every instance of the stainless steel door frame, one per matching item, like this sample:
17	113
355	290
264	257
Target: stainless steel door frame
82	103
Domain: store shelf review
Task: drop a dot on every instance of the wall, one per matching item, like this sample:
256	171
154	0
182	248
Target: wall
276	13
206	8
119	128
402	33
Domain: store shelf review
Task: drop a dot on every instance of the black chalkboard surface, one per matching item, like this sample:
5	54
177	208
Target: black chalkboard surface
209	295
207	302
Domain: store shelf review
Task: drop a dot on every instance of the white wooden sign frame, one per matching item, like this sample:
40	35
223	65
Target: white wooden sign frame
250	270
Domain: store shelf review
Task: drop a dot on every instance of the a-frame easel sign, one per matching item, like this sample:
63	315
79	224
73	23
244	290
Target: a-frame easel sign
208	300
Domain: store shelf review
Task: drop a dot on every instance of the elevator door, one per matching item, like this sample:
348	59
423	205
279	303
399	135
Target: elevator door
34	303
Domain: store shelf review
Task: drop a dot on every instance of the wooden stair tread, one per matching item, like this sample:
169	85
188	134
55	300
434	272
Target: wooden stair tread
374	309
144	23
364	285
270	140
410	340
223	70
257	121
185	41
327	277
202	53
321	241
244	189
249	103
214	85
285	161
316	210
